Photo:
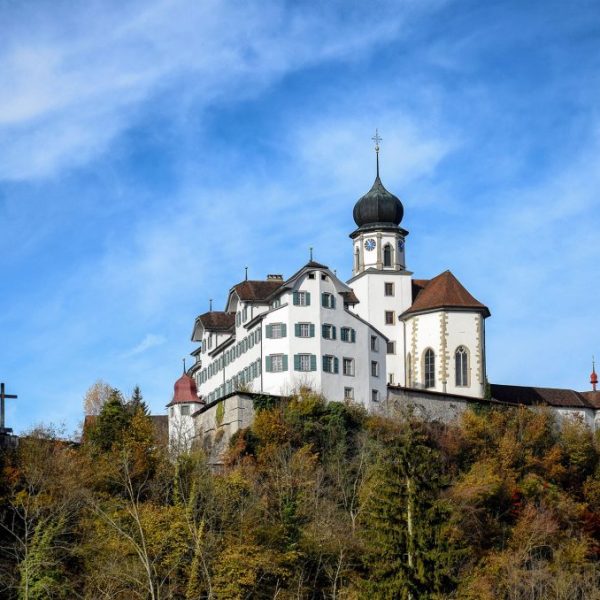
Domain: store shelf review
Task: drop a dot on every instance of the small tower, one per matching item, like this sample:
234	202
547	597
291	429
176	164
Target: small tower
593	376
181	409
379	240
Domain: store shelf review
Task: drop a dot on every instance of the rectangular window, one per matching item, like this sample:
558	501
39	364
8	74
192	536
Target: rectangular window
323	277
389	317
389	288
329	332
327	300
171	411
330	364
374	368
391	347
348	367
276	330
375	395
301	298
305	362
311	275
348	393
185	410
305	330
245	314
374	343
347	334
391	379
276	363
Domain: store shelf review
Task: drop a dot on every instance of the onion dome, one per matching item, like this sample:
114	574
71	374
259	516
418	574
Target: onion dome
593	376
378	207
185	390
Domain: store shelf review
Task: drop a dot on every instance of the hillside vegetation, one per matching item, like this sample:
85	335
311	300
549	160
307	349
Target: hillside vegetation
316	500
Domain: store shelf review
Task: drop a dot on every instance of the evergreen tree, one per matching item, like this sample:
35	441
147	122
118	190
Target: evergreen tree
409	554
111	423
136	402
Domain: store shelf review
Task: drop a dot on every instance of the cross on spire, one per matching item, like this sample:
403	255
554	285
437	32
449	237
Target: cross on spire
3	396
377	138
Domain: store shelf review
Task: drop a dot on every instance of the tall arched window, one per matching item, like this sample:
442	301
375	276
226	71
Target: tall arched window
409	375
429	368
387	255
461	366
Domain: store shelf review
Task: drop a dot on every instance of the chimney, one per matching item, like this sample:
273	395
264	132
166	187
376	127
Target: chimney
274	277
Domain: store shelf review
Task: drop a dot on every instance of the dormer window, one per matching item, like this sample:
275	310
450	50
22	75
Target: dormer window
301	298
327	300
311	275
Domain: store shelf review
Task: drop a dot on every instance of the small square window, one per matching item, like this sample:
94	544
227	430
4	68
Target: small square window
389	317
185	410
389	288
391	347
374	343
311	275
323	277
348	393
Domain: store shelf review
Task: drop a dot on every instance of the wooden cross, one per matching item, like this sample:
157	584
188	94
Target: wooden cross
3	396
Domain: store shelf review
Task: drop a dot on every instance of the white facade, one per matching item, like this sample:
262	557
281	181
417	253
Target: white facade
446	333
181	424
302	335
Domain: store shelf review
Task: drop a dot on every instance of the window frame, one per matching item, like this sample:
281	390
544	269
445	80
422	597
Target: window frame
428	368
374	368
386	288
461	378
350	361
390	317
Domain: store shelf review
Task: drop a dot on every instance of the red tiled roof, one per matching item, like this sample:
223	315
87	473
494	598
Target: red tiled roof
256	291
443	291
350	297
217	320
418	285
592	397
534	396
184	391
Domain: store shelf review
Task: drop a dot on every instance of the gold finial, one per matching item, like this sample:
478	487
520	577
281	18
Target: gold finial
376	138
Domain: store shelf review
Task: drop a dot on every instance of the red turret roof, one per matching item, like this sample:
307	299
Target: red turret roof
442	292
185	391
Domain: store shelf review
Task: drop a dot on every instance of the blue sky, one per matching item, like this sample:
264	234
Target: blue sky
150	150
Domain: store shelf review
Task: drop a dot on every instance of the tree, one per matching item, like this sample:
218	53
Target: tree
111	423
410	552
96	397
136	402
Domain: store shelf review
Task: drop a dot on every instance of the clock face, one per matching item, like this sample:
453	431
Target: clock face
400	245
370	244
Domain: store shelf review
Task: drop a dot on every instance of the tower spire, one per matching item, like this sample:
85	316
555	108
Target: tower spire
593	376
184	371
376	138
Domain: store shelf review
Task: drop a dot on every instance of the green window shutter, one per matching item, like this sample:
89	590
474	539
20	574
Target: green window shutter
312	330
258	366
269	331
268	366
296	362
313	362
307	298
332	301
333	334
284	330
285	362
336	365
297	329
324	331
324	300
353	335
296	300
324	363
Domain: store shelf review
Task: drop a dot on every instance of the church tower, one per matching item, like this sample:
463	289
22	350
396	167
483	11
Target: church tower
380	279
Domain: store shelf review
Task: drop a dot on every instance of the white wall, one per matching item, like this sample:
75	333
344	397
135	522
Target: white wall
443	331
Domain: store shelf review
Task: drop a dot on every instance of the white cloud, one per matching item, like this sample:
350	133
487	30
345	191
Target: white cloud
151	340
72	82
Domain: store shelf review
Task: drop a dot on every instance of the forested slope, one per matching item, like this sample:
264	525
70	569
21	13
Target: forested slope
316	500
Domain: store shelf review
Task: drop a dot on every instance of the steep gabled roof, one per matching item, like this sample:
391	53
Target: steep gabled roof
217	320
256	290
443	291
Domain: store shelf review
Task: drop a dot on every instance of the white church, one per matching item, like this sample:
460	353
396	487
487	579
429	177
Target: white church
382	334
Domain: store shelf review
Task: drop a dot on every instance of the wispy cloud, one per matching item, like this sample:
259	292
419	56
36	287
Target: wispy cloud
151	340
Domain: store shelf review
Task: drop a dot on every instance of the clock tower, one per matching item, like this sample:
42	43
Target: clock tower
379	275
